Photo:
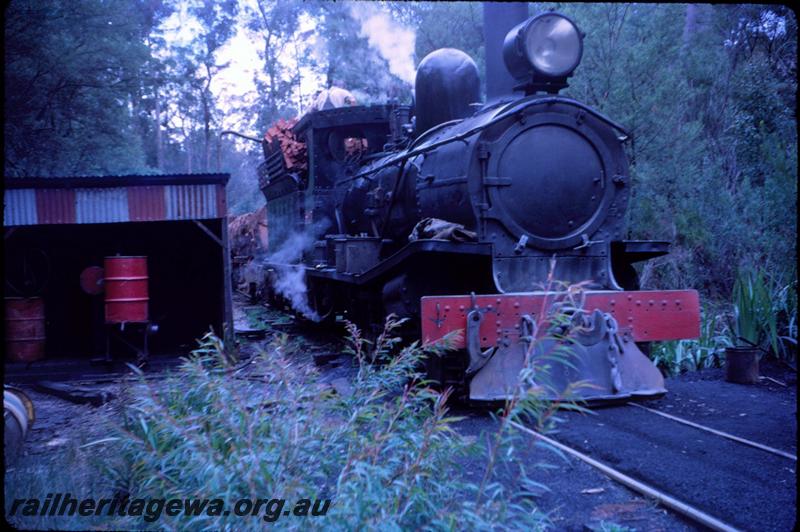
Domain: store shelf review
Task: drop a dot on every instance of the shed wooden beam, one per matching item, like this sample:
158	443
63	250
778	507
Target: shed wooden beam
209	232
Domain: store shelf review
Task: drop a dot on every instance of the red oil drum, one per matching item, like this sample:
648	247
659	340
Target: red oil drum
126	289
24	329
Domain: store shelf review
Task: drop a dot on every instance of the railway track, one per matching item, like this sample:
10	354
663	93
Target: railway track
723	434
739	484
83	371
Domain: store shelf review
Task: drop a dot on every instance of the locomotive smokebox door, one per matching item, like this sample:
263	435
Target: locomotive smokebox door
549	182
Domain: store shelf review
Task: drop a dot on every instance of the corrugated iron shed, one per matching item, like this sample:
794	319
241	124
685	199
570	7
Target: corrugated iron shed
113	199
36	202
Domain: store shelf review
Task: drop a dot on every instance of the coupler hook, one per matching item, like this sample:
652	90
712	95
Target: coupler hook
477	358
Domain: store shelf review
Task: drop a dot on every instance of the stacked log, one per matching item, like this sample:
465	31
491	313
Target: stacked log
293	150
247	236
247	233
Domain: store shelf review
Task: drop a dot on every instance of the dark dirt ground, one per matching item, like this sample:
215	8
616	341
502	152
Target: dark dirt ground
577	497
744	486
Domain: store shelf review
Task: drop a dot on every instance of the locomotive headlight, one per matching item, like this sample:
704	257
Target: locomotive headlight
553	45
545	48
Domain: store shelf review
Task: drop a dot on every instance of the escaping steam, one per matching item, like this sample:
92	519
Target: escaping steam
393	42
290	276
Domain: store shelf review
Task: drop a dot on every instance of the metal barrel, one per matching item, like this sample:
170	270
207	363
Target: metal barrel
126	289
25	334
18	415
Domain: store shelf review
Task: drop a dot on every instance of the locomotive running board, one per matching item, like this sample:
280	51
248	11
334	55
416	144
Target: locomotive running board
505	333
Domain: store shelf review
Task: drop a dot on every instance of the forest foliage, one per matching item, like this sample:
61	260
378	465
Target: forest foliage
708	92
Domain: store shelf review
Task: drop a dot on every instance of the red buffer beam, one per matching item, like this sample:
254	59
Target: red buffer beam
644	316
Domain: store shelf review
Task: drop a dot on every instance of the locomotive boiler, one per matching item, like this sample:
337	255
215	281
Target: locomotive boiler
461	215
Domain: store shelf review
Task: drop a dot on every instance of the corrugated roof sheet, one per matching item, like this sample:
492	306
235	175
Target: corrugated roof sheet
55	206
19	207
146	203
101	205
192	201
114	181
115	199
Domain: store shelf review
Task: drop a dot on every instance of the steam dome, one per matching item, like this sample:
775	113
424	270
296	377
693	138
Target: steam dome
447	83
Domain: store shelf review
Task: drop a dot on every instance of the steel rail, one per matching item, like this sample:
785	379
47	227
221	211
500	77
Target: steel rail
745	441
681	507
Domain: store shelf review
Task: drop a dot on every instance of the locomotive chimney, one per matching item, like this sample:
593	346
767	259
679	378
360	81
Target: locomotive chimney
498	19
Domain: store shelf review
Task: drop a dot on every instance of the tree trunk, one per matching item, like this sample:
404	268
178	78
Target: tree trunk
205	97
189	151
690	23
206	135
697	19
159	139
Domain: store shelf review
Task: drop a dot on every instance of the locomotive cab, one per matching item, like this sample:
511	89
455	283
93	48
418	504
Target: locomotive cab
336	143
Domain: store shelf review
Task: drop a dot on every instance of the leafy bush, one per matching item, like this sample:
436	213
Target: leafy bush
387	454
707	351
762	314
766	314
785	309
755	319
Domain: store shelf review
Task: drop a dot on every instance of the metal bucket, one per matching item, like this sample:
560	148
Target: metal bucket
18	416
126	289
25	335
741	365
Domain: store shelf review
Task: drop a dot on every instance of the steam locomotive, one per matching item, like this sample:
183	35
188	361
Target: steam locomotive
456	214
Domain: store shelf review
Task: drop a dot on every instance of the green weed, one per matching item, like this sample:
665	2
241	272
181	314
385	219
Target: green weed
785	309
707	351
256	317
755	321
387	455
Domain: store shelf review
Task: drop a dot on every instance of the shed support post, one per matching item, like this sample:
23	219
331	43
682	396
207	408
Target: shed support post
227	294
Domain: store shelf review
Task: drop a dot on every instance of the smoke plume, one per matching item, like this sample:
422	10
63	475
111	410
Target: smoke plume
393	42
290	278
